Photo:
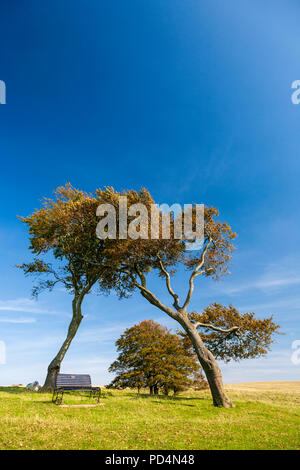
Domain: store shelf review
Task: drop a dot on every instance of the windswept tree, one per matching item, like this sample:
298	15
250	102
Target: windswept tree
151	356
62	236
219	331
66	250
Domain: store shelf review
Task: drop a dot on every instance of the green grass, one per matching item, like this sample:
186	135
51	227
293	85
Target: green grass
262	419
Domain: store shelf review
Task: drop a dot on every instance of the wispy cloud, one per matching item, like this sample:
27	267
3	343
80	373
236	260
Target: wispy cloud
274	277
34	345
26	305
263	284
17	320
276	366
101	334
286	303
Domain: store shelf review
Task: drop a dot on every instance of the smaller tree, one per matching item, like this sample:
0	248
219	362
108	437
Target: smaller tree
150	356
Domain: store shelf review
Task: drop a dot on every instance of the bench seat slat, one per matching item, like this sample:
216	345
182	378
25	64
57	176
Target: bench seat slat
75	381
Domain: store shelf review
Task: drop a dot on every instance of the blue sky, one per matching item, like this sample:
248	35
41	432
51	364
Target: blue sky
190	99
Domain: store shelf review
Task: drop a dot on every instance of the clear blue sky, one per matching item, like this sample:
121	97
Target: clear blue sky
190	99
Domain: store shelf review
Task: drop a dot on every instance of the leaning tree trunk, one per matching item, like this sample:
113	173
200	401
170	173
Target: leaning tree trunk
54	366
205	357
208	364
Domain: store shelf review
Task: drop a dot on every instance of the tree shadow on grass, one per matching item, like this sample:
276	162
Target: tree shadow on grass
164	397
15	390
173	403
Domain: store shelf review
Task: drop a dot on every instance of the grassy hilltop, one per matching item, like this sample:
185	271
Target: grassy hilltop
267	416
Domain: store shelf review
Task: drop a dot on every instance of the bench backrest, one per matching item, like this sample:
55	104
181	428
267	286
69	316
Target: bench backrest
73	380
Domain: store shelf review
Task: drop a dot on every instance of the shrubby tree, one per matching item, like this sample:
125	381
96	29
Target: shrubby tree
150	356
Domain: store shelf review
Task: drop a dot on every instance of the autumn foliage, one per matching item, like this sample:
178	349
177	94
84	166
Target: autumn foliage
66	250
150	356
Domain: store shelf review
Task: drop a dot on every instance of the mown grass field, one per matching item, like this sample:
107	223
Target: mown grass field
267	416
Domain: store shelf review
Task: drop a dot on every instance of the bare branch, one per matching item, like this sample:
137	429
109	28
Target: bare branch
141	275
168	283
216	328
194	274
147	294
59	279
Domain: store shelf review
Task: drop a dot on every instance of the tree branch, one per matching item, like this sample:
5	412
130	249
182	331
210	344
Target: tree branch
216	328
195	273
168	283
147	294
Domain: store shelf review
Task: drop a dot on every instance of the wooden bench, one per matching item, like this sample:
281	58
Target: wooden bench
74	382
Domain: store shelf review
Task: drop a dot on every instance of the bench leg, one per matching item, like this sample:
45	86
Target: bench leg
60	398
97	395
57	397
